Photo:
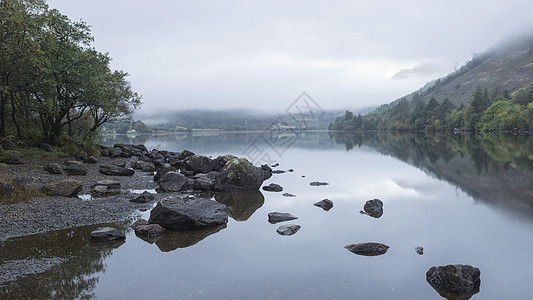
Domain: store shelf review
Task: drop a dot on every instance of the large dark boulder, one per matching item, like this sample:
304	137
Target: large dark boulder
204	183
162	171
115	170
173	182
143	166
180	214
65	188
240	175
373	208
454	281
368	249
218	163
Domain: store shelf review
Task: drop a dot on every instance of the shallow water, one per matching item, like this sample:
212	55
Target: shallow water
451	217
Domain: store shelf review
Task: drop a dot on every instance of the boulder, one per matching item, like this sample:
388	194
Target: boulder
173	182
325	204
104	151
33	183
114	152
6	188
119	163
54	168
218	163
373	208
204	183
180	214
158	162
276	217
240	175
368	249
144	228
90	160
197	164
81	156
143	198
115	170
14	158
288	229
454	281
65	188
107	234
143	166
103	191
273	187
76	170
162	171
318	183
184	154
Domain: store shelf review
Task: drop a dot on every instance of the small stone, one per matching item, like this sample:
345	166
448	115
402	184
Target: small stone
318	183
278	171
368	249
288	229
419	250
273	188
276	217
288	195
325	204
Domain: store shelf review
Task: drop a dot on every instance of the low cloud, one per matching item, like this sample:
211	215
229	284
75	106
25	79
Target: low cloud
423	69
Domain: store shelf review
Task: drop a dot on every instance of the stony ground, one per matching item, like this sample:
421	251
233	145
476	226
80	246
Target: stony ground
45	213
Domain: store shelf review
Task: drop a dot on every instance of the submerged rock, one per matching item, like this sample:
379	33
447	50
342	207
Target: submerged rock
325	204
273	187
276	217
454	281
106	234
288	229
368	249
180	214
373	208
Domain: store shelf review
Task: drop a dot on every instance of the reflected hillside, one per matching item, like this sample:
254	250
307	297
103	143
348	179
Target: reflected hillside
495	169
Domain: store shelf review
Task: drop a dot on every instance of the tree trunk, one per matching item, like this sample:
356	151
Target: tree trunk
3	100
14	115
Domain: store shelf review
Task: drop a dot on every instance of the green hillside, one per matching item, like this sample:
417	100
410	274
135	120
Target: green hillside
492	92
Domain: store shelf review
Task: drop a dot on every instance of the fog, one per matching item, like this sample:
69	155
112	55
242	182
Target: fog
261	55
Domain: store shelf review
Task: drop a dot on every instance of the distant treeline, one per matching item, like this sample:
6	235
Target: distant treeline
485	112
54	86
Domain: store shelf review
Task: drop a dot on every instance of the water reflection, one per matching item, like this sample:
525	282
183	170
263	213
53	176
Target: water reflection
241	205
495	169
72	275
172	240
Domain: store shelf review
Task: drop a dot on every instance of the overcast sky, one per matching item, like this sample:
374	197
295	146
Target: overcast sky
262	55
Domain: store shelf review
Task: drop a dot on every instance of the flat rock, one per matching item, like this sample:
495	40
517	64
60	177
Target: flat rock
325	204
115	170
288	229
288	195
98	191
368	249
278	171
65	188
454	281
111	184
180	214
276	217
318	183
273	187
106	234
143	198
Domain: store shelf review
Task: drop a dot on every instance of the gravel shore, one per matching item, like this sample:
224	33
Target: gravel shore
46	213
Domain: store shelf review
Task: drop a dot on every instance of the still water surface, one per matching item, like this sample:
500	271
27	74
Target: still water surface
458	197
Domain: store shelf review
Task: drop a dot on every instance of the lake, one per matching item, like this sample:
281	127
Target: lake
465	199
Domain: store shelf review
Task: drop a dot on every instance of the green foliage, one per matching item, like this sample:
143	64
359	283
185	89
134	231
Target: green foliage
50	76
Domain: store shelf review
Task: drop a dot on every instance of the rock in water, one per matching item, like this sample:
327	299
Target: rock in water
276	217
419	250
454	281
144	228
179	214
325	204
288	195
318	183
373	208
273	187
368	249
288	229
240	175
106	234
